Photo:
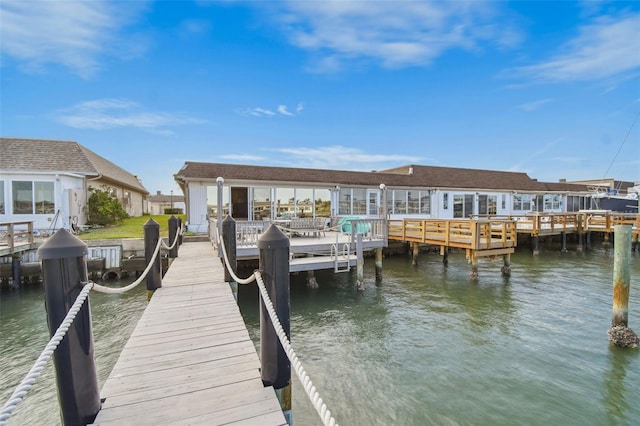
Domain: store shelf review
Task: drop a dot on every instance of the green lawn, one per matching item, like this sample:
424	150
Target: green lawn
129	228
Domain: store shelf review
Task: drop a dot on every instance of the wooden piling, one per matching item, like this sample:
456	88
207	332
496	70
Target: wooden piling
444	252
311	276
379	264
564	241
536	245
415	251
621	275
506	265
473	258
359	263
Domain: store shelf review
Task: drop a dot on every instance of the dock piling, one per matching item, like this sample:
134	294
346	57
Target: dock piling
64	271
274	264
173	231
151	238
229	238
619	333
379	264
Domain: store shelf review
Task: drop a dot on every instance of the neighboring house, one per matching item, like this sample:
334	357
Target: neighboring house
260	192
48	181
157	204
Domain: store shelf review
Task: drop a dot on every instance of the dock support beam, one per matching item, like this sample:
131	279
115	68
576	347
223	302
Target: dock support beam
151	238
311	276
444	252
274	264
379	264
580	236
506	265
229	239
564	241
620	334
415	251
473	258
589	240
16	270
359	263
64	270
536	245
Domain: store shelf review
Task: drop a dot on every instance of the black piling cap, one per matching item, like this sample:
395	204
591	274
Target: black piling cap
62	244
273	238
151	224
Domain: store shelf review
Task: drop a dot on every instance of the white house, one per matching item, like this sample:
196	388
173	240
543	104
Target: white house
260	192
157	204
48	181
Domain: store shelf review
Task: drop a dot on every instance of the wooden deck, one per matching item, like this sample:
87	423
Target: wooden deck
190	360
483	237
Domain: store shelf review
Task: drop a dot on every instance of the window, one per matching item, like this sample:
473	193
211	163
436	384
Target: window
445	201
425	202
503	204
261	203
462	205
1	197
413	202
344	201
359	201
400	201
323	202
522	202
487	204
33	197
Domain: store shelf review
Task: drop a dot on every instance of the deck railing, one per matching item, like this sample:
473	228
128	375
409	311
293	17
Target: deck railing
10	231
474	234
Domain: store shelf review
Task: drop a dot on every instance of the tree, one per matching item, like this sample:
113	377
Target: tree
104	208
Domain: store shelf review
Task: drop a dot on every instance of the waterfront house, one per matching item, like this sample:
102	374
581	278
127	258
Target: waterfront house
48	181
412	191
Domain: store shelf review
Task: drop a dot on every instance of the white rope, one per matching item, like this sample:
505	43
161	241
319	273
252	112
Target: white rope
33	375
307	384
304	378
175	240
111	290
248	280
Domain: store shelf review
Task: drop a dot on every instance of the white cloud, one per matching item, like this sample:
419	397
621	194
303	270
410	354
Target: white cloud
341	157
413	33
243	158
282	109
532	106
604	48
265	112
101	114
74	34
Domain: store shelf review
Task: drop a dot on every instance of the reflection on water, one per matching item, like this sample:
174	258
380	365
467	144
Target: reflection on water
429	346
426	346
24	334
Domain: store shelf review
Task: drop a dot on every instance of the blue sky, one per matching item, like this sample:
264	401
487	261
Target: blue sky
547	88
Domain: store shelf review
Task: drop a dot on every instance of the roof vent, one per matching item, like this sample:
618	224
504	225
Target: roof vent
562	180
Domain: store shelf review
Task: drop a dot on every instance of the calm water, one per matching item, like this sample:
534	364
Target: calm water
425	346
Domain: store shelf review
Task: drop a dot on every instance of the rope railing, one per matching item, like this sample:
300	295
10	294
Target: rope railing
32	376
313	394
35	372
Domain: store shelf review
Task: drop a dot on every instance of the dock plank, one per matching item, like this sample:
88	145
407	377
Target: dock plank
190	359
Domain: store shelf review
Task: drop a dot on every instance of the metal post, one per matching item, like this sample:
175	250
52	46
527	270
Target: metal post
219	181
229	239
151	238
173	231
621	275
64	269
274	264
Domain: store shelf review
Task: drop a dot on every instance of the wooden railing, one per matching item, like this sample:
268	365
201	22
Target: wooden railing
473	234
11	230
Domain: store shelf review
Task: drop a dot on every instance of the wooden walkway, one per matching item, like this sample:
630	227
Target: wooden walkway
190	360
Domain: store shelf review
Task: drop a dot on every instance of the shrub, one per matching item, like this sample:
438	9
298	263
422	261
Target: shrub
104	208
174	210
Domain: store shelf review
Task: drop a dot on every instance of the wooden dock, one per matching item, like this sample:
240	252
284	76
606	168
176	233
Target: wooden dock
190	360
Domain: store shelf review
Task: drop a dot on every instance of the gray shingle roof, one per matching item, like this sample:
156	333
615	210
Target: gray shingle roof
61	156
421	176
